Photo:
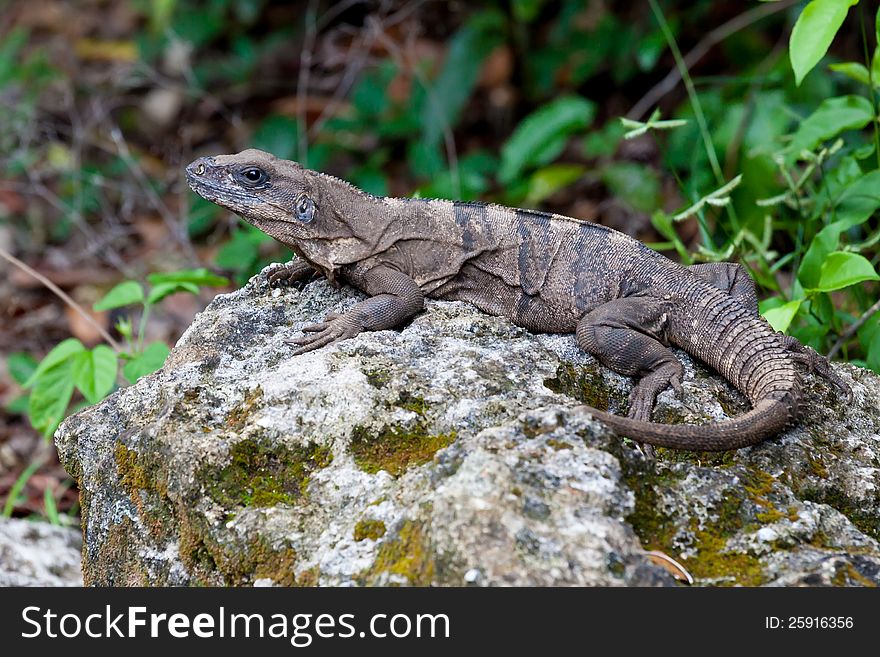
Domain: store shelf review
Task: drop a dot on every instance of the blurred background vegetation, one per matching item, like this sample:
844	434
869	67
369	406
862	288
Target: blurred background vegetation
741	140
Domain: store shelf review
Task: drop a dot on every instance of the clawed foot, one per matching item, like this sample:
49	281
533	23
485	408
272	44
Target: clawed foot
641	399
334	328
296	274
818	364
643	395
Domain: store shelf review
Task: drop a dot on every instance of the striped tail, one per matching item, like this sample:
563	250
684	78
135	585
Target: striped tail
748	353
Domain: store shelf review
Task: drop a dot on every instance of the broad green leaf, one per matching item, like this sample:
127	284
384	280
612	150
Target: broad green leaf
842	269
199	276
548	126
859	200
162	290
854	206
824	242
547	181
833	116
21	366
781	316
60	353
124	294
813	32
854	71
150	360
50	396
94	372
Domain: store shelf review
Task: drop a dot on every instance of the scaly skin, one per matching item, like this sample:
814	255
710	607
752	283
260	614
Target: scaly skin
626	303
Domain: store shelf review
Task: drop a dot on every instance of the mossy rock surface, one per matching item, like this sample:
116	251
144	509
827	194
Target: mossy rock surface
454	452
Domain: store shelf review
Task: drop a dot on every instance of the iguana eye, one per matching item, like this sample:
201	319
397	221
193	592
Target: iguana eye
305	209
253	176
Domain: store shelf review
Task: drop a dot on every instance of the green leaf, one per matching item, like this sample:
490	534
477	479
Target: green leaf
94	372
163	290
199	276
854	71
151	359
60	353
855	205
50	506
833	116
50	396
780	317
12	496
124	294
21	366
844	268
813	32
19	405
547	181
859	200
242	250
542	135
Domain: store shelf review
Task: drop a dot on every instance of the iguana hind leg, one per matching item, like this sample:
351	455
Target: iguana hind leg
628	336
730	277
816	363
733	278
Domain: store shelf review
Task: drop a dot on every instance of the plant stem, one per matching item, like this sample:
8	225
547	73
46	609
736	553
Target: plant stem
851	330
63	296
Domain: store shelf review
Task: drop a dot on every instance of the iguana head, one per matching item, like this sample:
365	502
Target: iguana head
323	219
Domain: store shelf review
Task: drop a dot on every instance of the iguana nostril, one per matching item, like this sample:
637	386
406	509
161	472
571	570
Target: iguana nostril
199	169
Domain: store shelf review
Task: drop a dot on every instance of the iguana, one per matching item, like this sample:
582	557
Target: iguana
547	273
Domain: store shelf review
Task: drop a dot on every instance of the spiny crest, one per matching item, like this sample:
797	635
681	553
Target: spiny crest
339	182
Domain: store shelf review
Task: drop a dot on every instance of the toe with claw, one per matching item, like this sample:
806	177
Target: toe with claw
334	328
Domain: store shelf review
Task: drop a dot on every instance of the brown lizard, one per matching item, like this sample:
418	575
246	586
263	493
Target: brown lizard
547	273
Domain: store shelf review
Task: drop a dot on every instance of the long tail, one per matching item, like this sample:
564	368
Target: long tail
749	354
764	421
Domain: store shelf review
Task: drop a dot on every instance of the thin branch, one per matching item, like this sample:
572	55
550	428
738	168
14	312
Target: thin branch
705	44
851	330
63	296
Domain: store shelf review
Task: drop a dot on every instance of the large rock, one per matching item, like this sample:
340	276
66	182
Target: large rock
452	452
38	554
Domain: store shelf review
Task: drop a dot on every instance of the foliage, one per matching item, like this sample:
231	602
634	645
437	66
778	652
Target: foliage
95	372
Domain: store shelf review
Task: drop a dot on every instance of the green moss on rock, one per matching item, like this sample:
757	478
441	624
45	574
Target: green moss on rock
396	448
407	554
369	529
712	560
586	385
264	474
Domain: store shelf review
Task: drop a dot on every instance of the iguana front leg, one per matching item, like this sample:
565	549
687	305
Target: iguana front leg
628	336
291	273
395	298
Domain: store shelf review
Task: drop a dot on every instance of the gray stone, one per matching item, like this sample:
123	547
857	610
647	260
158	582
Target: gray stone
38	554
453	452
